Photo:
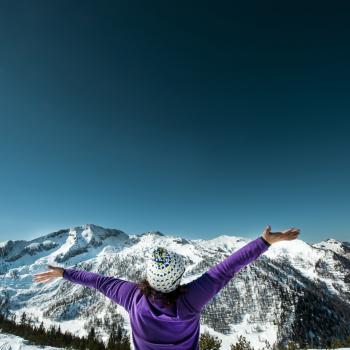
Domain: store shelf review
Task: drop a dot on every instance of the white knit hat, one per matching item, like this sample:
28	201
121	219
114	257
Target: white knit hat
164	269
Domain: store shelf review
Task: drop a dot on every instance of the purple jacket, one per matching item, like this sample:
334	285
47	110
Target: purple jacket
155	327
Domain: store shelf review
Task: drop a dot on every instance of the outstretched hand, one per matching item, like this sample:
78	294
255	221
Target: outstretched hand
54	272
286	235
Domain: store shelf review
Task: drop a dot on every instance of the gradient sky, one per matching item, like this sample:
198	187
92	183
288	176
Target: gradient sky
192	118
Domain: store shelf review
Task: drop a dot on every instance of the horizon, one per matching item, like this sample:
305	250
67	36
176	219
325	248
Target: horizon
165	234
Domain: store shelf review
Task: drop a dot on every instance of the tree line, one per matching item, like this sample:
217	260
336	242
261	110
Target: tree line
53	336
209	342
118	340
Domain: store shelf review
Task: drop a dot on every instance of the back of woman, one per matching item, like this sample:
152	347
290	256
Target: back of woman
156	326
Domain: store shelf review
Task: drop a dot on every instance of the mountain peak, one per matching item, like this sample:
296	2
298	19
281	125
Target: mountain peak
333	240
60	245
92	227
334	245
92	234
151	233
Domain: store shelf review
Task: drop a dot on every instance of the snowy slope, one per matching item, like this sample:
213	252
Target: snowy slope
271	298
12	342
342	248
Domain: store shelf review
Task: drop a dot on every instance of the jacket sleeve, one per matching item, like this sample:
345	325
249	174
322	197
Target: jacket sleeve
201	290
116	289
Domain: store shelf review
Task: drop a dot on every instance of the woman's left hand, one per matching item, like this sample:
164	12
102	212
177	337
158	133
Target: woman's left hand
286	235
54	272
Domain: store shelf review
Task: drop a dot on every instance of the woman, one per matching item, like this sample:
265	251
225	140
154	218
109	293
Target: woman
176	325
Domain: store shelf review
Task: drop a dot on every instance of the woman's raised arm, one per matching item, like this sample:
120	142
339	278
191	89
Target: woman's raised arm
204	288
116	289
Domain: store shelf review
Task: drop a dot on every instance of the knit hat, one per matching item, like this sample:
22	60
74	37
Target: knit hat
164	269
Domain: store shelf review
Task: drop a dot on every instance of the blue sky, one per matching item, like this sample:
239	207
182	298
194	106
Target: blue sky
194	121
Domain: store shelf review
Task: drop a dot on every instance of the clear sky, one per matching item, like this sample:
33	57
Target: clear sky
192	118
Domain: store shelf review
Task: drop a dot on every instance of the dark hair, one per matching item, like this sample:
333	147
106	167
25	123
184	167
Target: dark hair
167	298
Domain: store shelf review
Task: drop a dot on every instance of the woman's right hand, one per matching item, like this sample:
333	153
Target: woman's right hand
286	235
54	272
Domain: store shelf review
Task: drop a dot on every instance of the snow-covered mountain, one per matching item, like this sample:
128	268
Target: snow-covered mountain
342	248
294	291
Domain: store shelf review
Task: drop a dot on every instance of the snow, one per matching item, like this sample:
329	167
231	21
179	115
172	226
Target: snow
229	243
33	246
301	255
12	342
246	329
331	244
3	244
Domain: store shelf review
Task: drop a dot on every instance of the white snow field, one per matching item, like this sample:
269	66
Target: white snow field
12	342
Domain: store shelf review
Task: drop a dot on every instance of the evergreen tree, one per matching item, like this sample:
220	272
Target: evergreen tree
267	346
347	341
92	342
119	333
337	343
292	346
112	340
209	342
23	319
242	344
91	339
